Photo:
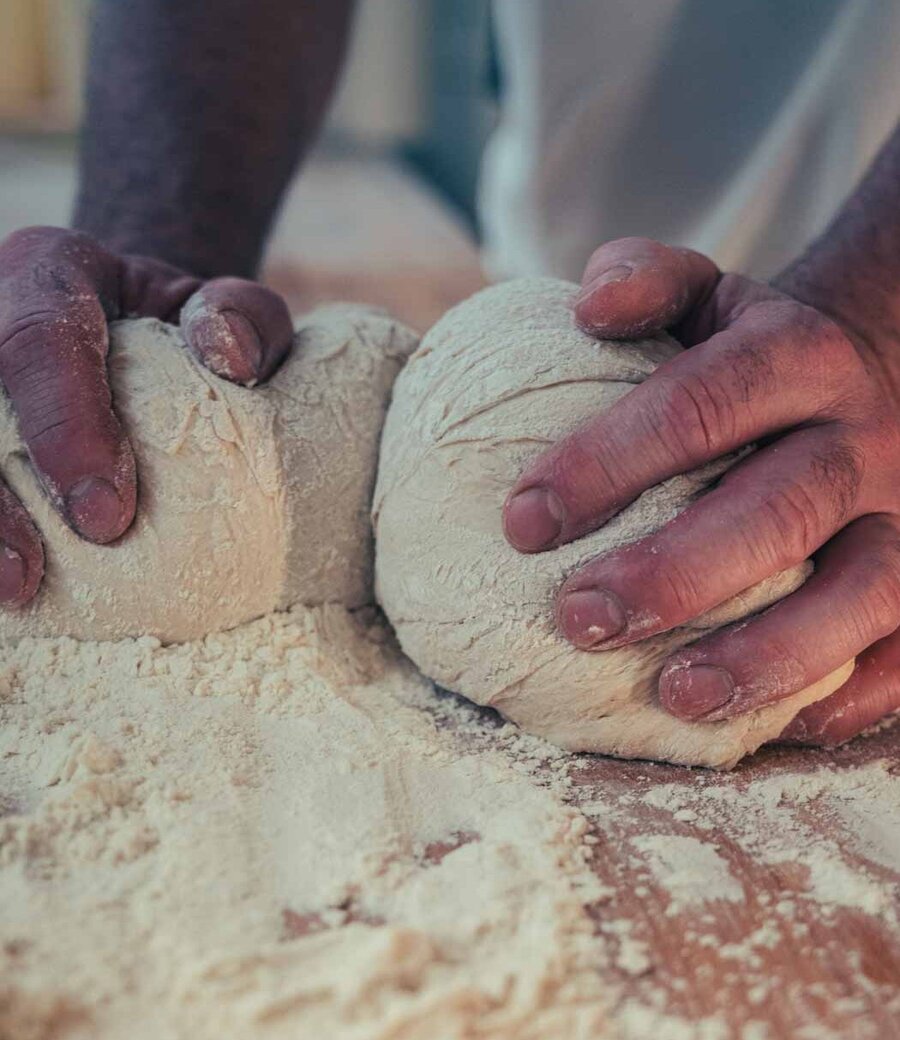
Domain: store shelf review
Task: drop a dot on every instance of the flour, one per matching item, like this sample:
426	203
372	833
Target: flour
280	832
284	831
690	870
861	805
638	1022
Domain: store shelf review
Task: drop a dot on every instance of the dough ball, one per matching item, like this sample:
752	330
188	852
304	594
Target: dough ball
250	500
497	380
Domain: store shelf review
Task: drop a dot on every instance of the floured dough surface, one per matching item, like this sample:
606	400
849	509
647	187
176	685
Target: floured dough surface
251	500
497	380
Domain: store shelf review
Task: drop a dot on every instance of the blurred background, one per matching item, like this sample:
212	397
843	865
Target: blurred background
382	213
733	126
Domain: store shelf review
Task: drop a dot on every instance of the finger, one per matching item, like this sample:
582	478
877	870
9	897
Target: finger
778	363
239	330
633	286
871	693
151	288
21	552
768	513
851	601
54	286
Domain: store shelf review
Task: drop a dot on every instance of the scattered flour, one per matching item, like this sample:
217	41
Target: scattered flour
284	831
860	803
690	870
276	832
641	1023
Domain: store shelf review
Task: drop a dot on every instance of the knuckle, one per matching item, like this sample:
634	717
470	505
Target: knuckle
790	524
680	593
751	372
48	420
838	473
674	592
25	238
837	729
817	349
48	254
581	473
782	667
795	520
42	340
24	346
824	347
886	564
830	339
51	260
882	603
691	418
29	346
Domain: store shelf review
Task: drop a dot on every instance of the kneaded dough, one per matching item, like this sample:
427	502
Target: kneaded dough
497	380
250	500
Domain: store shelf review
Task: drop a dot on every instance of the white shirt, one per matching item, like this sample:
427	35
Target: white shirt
735	127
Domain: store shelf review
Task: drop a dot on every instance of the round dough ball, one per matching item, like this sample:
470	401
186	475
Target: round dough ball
498	379
250	500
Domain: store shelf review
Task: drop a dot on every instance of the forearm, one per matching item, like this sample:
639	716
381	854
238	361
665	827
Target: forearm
197	114
852	272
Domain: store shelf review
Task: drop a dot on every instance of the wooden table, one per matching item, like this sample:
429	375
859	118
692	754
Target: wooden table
776	961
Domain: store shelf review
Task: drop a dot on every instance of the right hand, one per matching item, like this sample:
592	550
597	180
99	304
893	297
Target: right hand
58	291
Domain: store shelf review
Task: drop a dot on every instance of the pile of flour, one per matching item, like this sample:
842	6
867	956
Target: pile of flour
280	832
284	831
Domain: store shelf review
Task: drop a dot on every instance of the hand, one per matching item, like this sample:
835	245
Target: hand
825	482
58	291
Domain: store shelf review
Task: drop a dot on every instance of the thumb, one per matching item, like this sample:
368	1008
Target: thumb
634	286
239	330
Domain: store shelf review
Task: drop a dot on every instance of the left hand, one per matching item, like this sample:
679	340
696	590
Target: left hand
824	483
59	289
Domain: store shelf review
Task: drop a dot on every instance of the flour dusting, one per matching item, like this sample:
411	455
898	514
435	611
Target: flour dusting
284	831
690	870
279	832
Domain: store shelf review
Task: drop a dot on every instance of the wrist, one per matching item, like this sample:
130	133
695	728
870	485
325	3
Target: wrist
196	246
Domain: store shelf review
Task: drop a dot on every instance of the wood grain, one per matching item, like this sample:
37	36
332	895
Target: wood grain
814	970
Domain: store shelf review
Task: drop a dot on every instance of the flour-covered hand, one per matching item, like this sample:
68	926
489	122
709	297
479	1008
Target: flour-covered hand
761	367
58	291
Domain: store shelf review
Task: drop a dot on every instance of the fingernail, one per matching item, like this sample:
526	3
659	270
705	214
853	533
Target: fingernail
587	617
692	691
249	355
95	510
611	276
12	574
533	519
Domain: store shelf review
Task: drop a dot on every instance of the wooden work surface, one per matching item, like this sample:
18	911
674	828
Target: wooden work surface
778	962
